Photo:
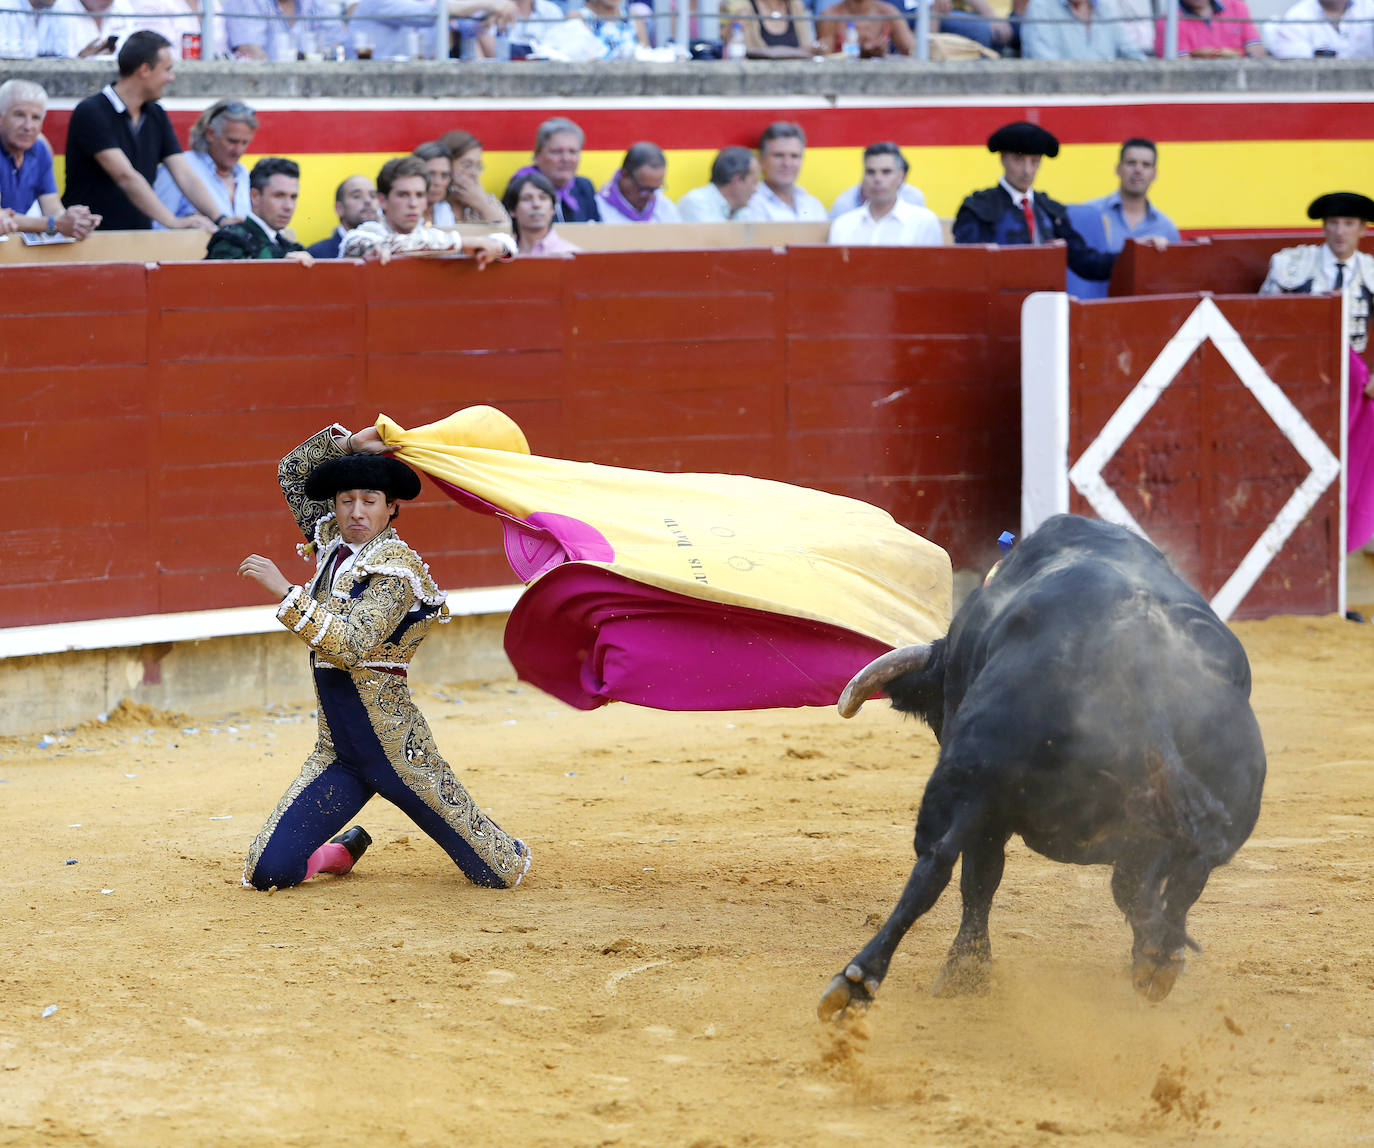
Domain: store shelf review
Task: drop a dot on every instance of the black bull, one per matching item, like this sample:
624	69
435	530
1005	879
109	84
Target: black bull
1090	700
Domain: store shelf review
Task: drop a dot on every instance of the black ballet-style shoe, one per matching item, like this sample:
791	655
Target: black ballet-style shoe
355	840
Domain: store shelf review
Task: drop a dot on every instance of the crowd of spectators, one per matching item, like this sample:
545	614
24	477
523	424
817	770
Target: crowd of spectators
623	29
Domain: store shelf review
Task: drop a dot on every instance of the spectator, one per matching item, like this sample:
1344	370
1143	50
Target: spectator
853	197
1126	213
263	30
1013	213
557	152
885	219
880	26
1341	28
219	138
531	199
19	28
780	198
273	188
734	179
620	33
439	169
1337	264
471	202
526	35
26	176
400	29
117	137
1211	29
634	194
402	192
995	26
355	202
774	31
1077	30
81	29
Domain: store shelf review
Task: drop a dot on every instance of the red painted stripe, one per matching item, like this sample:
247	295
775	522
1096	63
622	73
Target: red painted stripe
348	130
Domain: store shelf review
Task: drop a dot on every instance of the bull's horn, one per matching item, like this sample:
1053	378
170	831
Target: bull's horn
874	676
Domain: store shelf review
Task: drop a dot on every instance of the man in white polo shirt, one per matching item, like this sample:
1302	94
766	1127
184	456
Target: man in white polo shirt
886	219
779	198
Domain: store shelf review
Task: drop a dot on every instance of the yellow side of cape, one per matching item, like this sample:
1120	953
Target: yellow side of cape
717	537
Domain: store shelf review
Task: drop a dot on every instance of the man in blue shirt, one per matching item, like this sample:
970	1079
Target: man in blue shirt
26	175
1127	213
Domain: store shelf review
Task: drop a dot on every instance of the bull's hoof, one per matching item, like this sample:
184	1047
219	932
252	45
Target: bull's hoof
1154	978
847	990
962	975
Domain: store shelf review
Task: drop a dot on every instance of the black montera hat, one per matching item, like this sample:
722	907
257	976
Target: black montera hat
362	472
1349	204
1025	138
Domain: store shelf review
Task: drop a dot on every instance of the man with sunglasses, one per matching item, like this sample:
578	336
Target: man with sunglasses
634	194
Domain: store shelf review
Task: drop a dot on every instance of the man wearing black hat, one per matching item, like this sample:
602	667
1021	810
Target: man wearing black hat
1013	213
1336	265
364	612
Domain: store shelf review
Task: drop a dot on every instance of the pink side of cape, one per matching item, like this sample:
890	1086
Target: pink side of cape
1359	467
588	635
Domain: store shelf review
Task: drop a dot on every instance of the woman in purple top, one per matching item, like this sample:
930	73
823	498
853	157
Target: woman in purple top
530	201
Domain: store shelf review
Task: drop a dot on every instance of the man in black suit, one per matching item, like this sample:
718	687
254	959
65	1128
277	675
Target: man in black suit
274	185
355	202
557	152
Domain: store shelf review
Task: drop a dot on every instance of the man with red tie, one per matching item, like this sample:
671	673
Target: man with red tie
1013	213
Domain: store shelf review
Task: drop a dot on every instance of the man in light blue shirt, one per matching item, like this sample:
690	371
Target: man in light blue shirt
1127	213
1077	30
219	139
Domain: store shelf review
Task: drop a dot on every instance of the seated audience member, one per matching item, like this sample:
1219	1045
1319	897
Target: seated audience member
26	176
1209	29
1338	264
1126	213
1077	30
526	34
634	194
117	137
557	152
402	193
82	29
885	219
439	167
779	198
620	32
219	138
772	31
264	30
19	28
1340	28
470	201
355	202
274	185
853	197
881	28
394	27
995	26
530	199
1013	213
734	179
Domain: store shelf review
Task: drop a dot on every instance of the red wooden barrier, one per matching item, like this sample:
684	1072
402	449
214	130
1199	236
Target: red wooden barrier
146	406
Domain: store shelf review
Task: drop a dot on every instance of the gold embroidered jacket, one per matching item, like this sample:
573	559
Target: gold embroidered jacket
380	608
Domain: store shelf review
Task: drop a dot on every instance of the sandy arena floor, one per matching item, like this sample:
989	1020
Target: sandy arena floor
697	880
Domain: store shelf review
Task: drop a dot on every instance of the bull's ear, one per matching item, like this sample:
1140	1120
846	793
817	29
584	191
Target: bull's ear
874	676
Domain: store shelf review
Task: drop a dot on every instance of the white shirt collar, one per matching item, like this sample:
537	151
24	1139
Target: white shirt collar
110	94
1016	196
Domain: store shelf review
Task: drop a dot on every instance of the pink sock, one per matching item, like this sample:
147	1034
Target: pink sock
330	857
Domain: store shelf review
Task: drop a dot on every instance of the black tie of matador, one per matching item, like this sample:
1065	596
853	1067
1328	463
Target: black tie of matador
1340	277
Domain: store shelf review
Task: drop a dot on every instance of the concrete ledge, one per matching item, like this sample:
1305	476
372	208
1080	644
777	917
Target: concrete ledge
829	81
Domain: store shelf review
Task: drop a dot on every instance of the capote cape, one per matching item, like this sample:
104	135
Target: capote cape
683	591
